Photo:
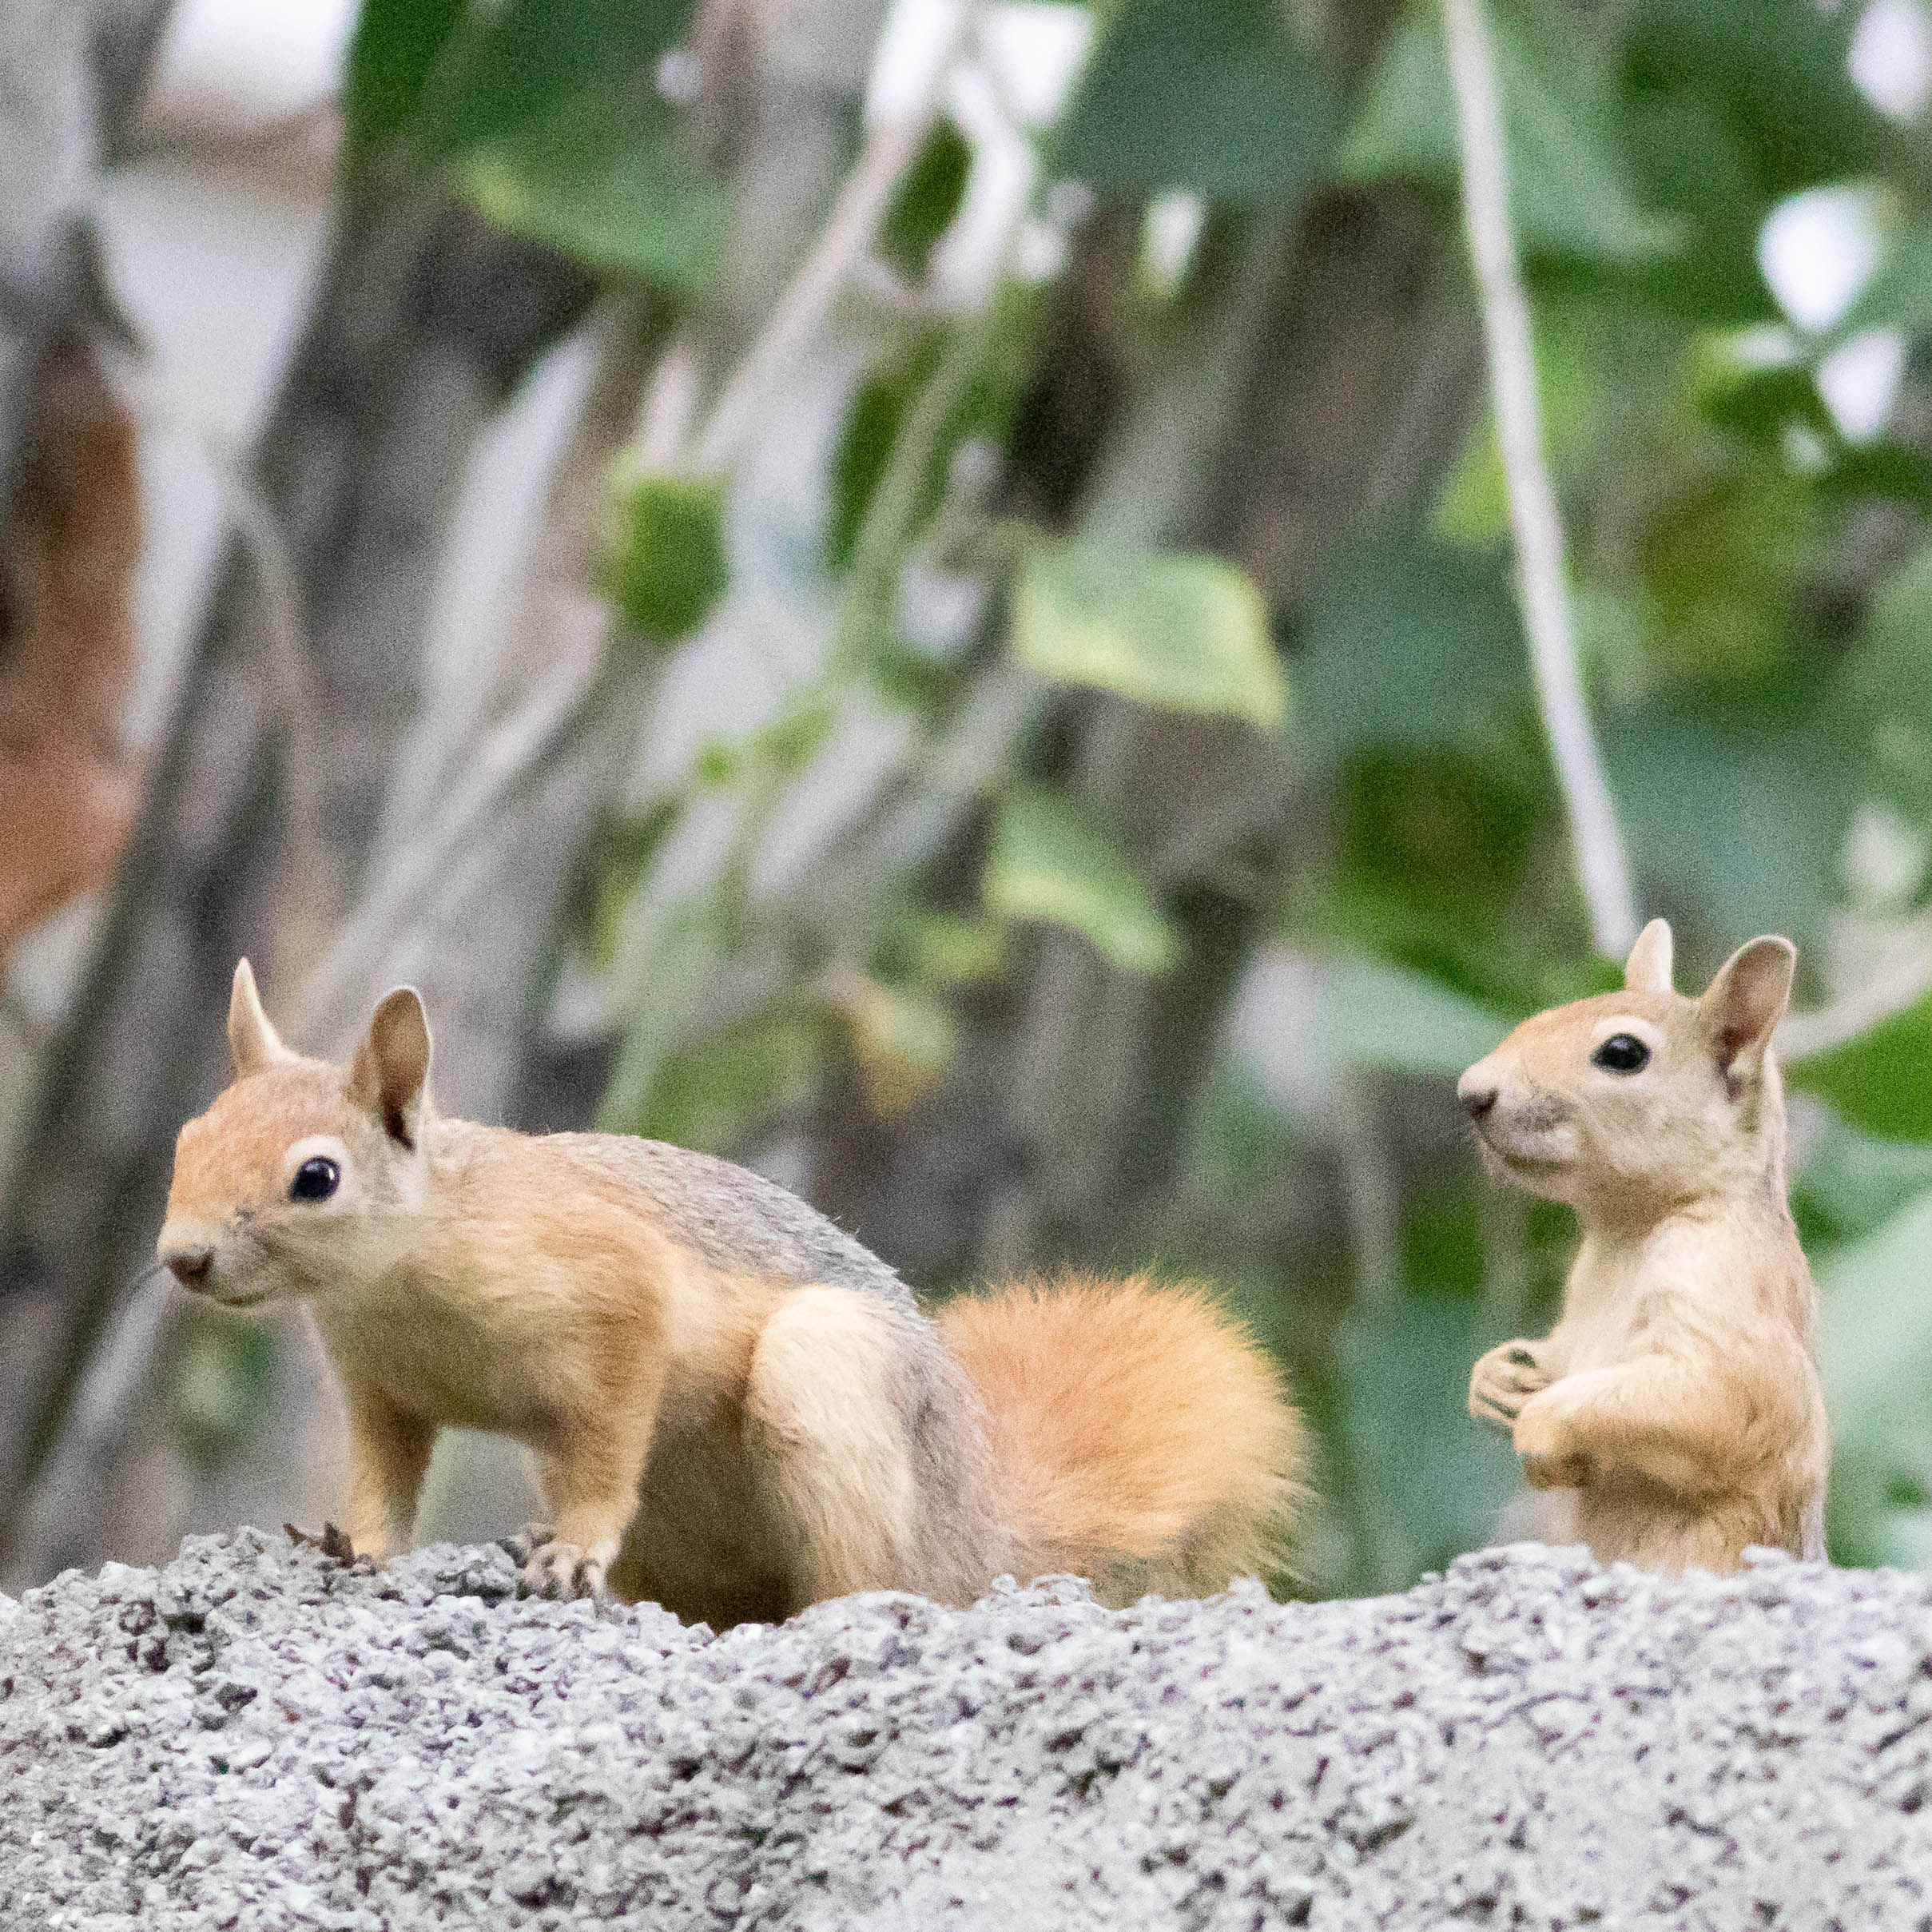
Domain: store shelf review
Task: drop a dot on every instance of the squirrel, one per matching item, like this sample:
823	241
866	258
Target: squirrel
738	1409
1677	1405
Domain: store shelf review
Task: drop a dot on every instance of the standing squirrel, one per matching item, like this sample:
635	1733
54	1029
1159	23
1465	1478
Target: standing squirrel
738	1409
1676	1403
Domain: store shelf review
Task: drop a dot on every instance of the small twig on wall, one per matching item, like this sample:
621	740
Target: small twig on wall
1600	861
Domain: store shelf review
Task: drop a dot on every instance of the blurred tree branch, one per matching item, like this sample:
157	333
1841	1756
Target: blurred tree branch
1601	864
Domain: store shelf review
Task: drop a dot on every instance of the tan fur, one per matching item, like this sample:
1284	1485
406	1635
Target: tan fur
1139	1437
820	1399
738	1410
1676	1405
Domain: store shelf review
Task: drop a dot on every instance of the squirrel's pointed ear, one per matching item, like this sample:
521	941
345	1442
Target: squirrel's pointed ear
1649	969
1745	1000
390	1075
254	1042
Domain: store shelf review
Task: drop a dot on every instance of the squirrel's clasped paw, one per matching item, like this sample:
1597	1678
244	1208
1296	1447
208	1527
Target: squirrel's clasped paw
549	1568
1504	1380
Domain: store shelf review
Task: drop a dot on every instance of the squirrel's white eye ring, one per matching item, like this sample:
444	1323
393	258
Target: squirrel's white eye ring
1621	1053
316	1179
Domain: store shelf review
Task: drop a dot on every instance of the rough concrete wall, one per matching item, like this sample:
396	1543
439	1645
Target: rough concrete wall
253	1737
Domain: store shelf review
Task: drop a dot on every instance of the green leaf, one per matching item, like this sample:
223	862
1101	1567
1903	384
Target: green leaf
873	419
943	949
224	1380
1724	554
623	853
1188	633
926	200
1209	96
619	190
1445	863
1046	864
1472	508
1887	682
1690	165
1777	74
395	51
669	954
669	567
1881	1081
1852	1182
1370	1014
1571	189
531	56
1408	645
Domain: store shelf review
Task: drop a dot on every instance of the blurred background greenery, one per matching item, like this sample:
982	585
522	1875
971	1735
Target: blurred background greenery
1010	712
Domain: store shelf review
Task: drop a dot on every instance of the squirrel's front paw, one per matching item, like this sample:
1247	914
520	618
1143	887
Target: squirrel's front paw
1542	1439
549	1568
1503	1380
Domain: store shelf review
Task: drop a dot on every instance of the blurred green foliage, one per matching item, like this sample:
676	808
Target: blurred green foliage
1191	632
926	200
1220	832
1209	96
667	567
1045	863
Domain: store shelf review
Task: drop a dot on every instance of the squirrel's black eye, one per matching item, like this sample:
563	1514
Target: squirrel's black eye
315	1180
1621	1053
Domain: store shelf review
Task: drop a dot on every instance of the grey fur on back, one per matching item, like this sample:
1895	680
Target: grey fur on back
739	1221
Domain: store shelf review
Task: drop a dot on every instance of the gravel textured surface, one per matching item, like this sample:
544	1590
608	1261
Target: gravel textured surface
256	1737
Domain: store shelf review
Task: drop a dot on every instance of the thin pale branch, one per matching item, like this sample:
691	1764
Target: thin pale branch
253	521
1600	861
507	759
892	142
1802	1034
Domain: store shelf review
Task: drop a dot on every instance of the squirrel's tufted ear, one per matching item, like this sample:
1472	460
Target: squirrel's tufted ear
390	1075
254	1042
1649	969
1745	1000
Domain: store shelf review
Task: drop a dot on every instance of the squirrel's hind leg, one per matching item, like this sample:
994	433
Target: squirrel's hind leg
830	1443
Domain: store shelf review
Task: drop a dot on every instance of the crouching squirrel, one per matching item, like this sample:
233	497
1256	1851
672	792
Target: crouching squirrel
1677	1405
738	1410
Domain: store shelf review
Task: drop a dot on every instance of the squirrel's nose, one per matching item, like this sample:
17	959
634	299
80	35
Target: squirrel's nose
189	1266
1477	1093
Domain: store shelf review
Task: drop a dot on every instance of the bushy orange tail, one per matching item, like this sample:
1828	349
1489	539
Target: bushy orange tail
1139	1437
